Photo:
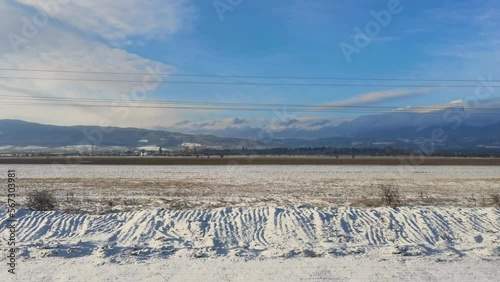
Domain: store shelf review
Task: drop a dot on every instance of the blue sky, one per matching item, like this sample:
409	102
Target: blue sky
425	39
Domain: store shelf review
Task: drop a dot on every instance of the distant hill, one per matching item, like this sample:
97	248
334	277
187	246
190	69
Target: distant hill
21	133
407	130
458	126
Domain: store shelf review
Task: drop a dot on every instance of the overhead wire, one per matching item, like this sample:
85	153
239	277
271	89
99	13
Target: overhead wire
14	100
246	76
246	83
233	106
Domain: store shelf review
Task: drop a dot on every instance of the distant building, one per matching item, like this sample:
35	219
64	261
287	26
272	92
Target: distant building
191	145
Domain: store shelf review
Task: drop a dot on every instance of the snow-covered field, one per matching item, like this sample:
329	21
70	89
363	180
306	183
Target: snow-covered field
301	269
286	243
105	188
258	223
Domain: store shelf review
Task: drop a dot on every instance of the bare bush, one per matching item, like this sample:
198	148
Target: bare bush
473	200
389	195
71	204
41	200
70	197
496	199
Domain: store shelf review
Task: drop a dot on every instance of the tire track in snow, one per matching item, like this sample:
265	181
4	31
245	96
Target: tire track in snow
283	229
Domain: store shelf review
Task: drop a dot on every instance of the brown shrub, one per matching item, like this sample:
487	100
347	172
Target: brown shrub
389	195
496	199
41	200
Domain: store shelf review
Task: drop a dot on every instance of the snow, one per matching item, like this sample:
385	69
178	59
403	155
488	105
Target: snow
131	187
287	270
256	223
291	237
149	148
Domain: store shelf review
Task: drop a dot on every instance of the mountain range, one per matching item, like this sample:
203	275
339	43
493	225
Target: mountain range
452	130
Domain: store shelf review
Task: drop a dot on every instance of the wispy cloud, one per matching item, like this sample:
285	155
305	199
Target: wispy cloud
252	128
216	124
432	108
380	96
119	20
488	104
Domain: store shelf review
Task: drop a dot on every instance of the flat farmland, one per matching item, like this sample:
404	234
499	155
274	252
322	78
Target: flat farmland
111	188
202	220
254	160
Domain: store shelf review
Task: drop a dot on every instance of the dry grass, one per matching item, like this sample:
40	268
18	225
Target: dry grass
108	195
260	160
367	202
184	191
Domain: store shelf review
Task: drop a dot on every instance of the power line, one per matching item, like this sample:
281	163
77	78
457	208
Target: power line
31	99
373	111
246	83
246	76
247	108
187	107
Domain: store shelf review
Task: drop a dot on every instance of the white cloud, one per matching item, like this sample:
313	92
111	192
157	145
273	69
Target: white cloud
56	48
475	104
308	123
118	20
432	108
379	96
